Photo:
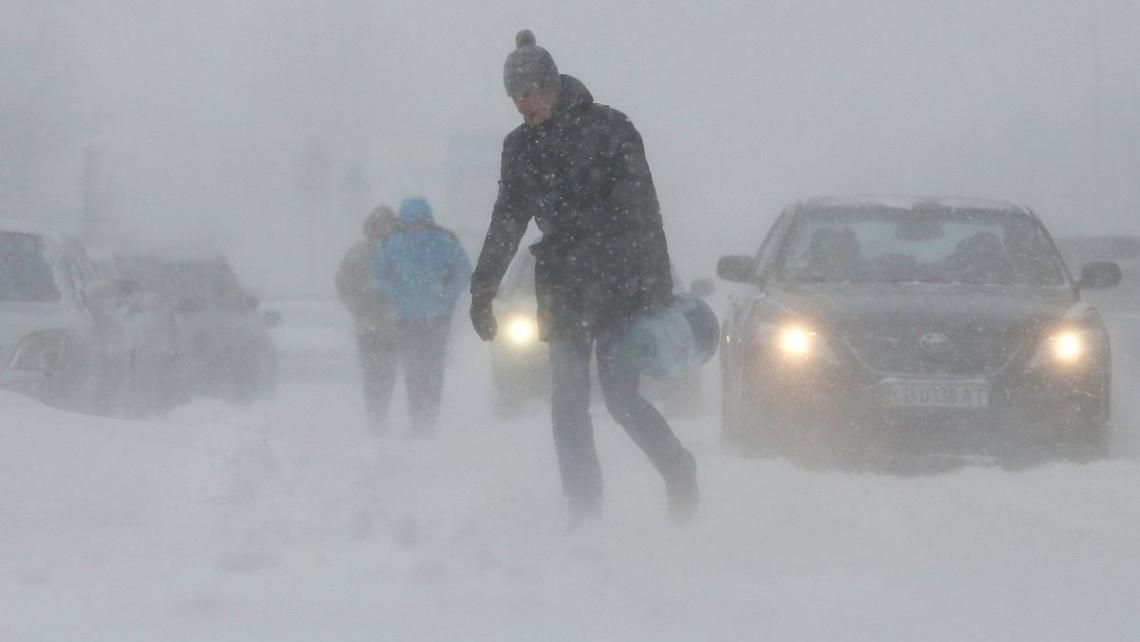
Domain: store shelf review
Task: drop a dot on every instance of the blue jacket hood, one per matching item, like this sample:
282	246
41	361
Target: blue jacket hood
415	209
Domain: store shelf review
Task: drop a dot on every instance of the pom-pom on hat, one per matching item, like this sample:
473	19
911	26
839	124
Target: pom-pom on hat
529	68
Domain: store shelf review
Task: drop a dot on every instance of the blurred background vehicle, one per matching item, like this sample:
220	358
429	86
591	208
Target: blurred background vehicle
520	363
887	326
60	340
223	344
314	341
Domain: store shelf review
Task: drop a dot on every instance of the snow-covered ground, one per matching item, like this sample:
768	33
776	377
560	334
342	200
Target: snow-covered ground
285	521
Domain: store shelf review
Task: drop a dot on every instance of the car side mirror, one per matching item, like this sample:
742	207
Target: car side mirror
735	268
702	288
1098	275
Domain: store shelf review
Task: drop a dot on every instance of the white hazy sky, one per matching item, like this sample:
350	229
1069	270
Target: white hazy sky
202	109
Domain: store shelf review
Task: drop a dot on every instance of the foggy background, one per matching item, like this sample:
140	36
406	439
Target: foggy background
267	129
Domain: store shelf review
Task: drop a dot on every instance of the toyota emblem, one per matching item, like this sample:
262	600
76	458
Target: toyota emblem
934	342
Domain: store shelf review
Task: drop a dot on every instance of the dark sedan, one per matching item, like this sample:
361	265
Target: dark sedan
879	325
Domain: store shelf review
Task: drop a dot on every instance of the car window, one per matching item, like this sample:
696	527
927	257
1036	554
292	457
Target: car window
77	267
771	244
947	246
25	274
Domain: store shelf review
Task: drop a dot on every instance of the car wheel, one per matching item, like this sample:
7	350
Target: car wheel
1082	433
750	429
1097	445
1091	431
735	431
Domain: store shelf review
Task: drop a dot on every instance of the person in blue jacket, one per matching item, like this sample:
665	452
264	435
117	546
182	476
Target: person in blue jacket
421	269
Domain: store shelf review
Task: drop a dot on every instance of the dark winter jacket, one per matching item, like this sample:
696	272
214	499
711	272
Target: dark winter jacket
371	313
582	176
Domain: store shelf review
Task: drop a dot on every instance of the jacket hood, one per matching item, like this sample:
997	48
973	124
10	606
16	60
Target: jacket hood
573	94
415	210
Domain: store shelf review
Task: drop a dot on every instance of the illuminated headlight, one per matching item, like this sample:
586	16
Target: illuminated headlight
798	342
522	330
1064	347
40	351
1067	346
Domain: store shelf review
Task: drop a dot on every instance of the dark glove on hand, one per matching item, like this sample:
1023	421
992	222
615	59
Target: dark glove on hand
483	318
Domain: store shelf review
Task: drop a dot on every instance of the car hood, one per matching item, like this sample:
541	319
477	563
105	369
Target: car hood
858	309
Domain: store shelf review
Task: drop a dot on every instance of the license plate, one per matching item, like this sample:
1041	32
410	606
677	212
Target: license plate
936	394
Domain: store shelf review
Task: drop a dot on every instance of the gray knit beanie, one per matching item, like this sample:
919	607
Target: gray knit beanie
529	67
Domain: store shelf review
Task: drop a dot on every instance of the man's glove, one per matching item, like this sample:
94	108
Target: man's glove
483	318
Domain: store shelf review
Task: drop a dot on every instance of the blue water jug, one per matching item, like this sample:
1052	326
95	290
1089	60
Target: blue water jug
668	340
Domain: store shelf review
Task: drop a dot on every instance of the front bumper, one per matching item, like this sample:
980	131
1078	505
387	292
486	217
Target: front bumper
851	407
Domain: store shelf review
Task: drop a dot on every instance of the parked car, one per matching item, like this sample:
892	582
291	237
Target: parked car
520	362
59	339
882	326
223	345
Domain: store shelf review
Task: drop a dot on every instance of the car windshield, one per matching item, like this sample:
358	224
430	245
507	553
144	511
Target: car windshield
25	274
982	247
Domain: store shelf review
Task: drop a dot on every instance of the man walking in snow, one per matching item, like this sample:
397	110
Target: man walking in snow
421	269
372	317
579	170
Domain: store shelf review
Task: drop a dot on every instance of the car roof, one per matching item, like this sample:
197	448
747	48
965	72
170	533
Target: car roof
27	227
915	203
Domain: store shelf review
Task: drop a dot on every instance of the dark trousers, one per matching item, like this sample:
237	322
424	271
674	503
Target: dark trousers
423	349
379	360
573	429
421	346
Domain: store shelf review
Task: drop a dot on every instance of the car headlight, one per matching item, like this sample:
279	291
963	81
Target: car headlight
1066	347
522	330
797	343
40	351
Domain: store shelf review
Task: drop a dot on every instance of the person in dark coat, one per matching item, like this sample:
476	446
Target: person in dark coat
373	320
578	169
421	269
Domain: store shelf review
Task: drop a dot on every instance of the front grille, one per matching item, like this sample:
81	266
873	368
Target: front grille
933	352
